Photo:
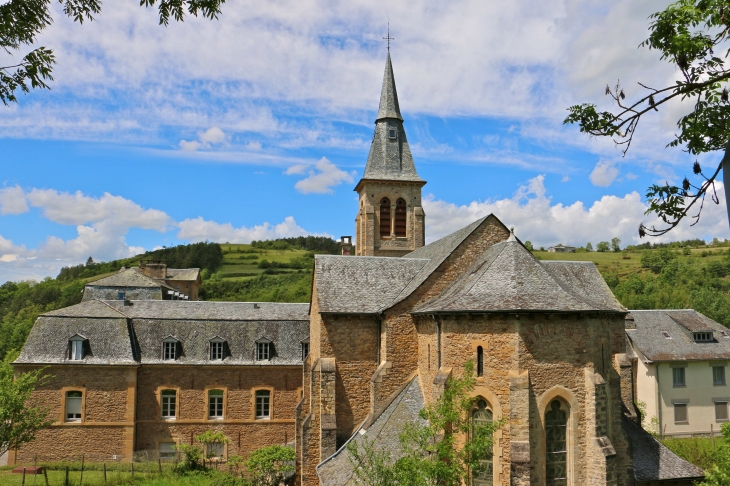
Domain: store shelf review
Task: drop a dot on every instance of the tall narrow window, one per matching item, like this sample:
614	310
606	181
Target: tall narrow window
217	349
263	350
169	403
480	419
263	409
400	218
556	443
215	404
480	361
214	450
678	376
718	375
305	349
170	349
76	348
680	413
385	217
721	411
73	406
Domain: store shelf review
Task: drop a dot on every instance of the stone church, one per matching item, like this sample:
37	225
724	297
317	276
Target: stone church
384	332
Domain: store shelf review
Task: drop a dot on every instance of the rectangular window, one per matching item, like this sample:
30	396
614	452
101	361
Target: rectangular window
718	375
121	295
216	351
721	411
73	406
392	133
680	413
215	404
678	376
169	401
77	350
262	351
167	450
215	450
169	350
262	404
305	351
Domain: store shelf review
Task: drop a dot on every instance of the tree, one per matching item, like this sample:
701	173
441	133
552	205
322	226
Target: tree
602	246
270	466
528	245
719	473
22	21
691	35
589	247
615	245
19	422
445	448
656	260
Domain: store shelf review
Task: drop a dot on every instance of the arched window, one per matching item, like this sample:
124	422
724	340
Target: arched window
480	417
400	217
384	217
480	361
556	444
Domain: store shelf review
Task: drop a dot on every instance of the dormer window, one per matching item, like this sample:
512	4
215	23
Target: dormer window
217	349
170	349
77	347
392	133
666	335
703	336
263	350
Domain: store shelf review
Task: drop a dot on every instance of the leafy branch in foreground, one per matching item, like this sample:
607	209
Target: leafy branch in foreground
692	35
445	448
21	21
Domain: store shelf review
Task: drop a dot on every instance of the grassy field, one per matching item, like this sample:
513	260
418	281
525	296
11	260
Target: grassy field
242	261
145	475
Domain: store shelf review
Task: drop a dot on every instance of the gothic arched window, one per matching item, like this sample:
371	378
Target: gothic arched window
481	417
400	217
384	217
556	444
480	361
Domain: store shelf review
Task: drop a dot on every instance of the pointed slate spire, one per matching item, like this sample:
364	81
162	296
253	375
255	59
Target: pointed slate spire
389	107
390	156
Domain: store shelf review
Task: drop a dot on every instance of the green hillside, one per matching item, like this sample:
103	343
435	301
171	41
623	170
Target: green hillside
281	271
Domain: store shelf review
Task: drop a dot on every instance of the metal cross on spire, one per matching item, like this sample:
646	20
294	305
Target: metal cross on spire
388	37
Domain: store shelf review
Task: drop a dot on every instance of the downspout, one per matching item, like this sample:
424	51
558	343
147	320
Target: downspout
379	317
438	340
658	401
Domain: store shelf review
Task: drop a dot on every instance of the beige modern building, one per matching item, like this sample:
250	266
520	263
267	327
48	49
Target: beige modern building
680	367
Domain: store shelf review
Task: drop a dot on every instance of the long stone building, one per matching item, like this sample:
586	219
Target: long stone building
384	332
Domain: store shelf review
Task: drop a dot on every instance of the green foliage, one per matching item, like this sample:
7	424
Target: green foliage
201	255
528	245
291	287
697	450
19	423
269	466
656	260
318	244
192	458
615	245
589	247
693	36
445	448
719	473
22	21
602	246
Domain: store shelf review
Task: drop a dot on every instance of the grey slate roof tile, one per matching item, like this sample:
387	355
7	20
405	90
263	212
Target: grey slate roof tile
191	274
385	433
361	285
648	338
91	308
129	277
653	461
202	310
507	277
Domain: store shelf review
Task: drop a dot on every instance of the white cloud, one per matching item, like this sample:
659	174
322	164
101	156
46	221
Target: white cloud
199	229
206	139
253	145
12	201
604	173
534	217
191	146
323	176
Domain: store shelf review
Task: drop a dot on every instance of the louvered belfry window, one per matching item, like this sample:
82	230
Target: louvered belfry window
400	218
556	464
384	217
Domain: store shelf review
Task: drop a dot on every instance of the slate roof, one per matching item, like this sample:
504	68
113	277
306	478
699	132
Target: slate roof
389	107
361	285
679	324
507	277
203	310
108	339
132	334
384	433
191	274
129	277
653	461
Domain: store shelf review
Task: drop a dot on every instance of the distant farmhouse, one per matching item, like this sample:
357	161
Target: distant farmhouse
561	249
137	368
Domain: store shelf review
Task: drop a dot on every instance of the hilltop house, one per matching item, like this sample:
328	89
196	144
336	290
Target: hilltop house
382	336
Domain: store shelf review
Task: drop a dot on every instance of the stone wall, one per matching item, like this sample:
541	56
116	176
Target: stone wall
107	424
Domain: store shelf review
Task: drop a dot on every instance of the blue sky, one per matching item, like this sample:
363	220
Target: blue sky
258	125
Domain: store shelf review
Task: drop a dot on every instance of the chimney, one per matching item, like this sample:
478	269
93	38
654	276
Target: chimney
346	242
153	268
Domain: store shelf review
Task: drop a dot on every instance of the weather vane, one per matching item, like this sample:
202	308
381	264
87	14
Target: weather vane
388	37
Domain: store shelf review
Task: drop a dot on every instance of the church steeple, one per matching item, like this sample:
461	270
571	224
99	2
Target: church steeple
390	221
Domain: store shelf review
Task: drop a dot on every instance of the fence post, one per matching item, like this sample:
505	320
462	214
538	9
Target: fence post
159	464
712	434
35	468
104	468
23	481
132	467
65	483
45	475
81	480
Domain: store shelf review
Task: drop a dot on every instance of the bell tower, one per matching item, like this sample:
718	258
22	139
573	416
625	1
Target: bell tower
390	220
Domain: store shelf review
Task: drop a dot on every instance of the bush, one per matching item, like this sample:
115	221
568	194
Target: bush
655	260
